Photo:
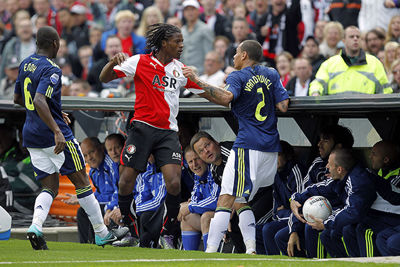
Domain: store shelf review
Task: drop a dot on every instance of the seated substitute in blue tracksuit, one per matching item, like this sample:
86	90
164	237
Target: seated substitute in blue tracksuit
353	186
149	194
195	215
382	216
331	136
104	174
288	180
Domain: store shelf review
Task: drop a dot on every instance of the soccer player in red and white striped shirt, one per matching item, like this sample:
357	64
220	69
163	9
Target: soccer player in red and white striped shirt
158	80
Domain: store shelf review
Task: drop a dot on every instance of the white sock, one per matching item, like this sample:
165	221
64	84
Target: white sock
92	209
247	225
218	227
42	206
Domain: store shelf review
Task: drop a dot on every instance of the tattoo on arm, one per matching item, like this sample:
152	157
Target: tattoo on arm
215	94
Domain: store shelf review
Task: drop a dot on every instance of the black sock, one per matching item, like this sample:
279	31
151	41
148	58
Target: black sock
173	204
124	203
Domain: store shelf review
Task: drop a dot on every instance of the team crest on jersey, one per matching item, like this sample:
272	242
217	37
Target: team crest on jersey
176	73
54	78
131	149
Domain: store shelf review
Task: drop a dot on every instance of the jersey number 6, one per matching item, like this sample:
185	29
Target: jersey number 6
28	98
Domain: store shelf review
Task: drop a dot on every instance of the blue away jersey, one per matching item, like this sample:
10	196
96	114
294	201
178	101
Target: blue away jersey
38	74
256	91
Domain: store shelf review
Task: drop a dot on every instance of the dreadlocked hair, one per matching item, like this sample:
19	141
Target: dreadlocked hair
157	33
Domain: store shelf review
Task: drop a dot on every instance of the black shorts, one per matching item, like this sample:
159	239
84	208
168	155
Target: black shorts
144	140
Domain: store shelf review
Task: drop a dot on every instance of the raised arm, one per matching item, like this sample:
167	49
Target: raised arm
107	73
213	93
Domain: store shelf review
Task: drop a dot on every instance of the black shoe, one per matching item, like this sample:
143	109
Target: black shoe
36	238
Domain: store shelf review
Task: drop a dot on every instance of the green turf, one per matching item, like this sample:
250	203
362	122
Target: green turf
20	253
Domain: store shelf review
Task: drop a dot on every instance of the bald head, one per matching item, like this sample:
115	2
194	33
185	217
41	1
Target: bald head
47	37
384	155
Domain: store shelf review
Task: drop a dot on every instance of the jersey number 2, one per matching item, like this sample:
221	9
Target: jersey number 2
28	98
260	105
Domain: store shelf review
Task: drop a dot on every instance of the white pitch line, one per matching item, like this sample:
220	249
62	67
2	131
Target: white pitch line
361	260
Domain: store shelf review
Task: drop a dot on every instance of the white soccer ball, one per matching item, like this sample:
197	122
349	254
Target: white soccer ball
317	206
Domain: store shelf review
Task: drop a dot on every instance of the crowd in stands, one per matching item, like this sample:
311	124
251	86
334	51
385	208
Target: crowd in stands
92	32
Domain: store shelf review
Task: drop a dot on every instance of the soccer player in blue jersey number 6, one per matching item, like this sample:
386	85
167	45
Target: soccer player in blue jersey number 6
51	144
253	93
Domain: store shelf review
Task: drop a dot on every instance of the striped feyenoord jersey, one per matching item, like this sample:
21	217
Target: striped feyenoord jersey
157	88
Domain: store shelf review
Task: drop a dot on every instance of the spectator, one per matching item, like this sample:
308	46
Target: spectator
345	12
395	84
390	55
197	37
319	30
111	10
43	8
261	8
221	44
374	41
7	84
164	6
241	32
355	71
114	143
174	21
277	29
284	66
215	21
81	87
151	15
393	31
113	47
300	83
132	44
213	73
195	215
5	16
80	30
311	52
20	46
12	8
240	11
333	34
82	66
40	22
95	33
375	13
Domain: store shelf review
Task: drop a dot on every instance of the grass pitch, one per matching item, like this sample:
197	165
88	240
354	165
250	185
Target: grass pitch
19	253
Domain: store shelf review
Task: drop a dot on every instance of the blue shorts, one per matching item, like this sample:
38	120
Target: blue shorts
45	162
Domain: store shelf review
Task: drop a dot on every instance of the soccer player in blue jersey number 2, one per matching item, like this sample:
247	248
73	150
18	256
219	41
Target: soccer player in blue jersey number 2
51	144
253	93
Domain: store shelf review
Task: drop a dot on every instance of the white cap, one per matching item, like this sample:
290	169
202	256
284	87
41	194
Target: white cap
78	9
193	3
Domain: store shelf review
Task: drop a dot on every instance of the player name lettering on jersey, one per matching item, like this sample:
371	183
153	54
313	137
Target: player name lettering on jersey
257	79
164	82
30	67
